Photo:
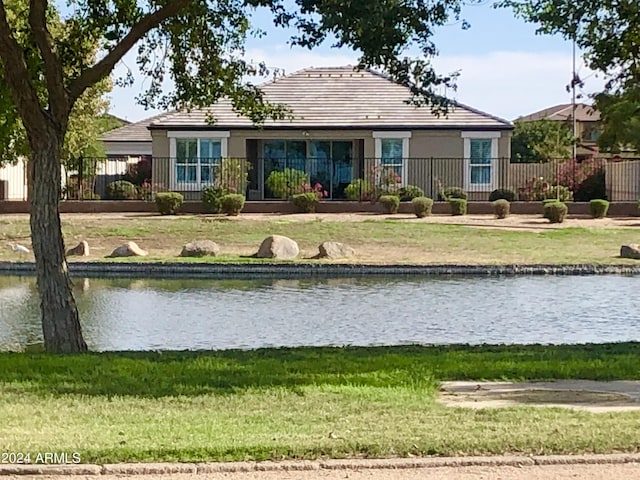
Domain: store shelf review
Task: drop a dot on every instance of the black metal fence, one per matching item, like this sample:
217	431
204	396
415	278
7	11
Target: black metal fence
127	178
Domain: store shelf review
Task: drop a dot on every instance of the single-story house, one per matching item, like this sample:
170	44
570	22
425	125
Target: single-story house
343	123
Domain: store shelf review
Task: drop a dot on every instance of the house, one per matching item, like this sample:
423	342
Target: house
343	124
588	126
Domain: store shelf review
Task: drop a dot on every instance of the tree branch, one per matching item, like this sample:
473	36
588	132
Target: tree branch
101	69
16	74
58	96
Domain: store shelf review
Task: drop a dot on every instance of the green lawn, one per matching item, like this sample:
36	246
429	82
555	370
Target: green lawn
300	403
376	241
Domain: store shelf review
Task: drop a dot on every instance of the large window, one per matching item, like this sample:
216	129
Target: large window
326	162
195	157
392	152
480	159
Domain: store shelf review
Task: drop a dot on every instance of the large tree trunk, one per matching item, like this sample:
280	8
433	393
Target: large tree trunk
60	322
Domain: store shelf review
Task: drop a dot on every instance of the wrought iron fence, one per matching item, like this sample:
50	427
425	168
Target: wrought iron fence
335	179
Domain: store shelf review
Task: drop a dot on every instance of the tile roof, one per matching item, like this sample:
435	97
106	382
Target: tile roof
584	113
133	132
337	97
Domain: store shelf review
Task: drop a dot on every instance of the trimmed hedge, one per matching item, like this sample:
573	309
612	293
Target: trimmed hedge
169	203
390	203
305	202
232	204
458	206
501	208
598	208
422	206
555	212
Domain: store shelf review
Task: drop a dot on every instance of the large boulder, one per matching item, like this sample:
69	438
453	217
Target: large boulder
129	249
200	248
630	251
278	247
335	250
80	250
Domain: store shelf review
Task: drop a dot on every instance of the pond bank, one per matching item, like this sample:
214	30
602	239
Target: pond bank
305	270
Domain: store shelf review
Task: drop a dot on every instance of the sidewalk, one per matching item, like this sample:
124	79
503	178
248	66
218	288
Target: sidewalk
584	467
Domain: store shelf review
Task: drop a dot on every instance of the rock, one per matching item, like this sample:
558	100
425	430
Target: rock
129	249
335	250
80	250
200	248
279	247
630	251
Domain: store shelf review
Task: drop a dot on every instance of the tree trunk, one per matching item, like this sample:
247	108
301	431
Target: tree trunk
60	322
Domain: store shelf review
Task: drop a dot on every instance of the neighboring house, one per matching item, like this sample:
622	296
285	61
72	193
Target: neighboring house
343	123
588	126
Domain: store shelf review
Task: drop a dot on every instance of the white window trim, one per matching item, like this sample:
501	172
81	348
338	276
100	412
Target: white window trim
467	137
404	136
223	136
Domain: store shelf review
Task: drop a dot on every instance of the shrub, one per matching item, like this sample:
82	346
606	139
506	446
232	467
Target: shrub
285	183
555	211
458	206
593	187
503	194
540	189
422	206
232	175
390	203
212	197
232	203
121	190
305	202
409	192
501	208
359	190
139	172
598	208
559	192
453	192
169	203
545	203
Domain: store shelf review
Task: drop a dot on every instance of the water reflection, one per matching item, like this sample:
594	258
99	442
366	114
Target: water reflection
143	314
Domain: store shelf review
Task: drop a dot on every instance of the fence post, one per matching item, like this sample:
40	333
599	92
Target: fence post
80	178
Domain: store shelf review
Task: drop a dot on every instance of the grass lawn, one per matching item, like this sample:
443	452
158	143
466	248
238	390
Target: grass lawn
375	241
300	403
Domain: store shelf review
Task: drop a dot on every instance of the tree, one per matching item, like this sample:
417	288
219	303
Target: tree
620	117
540	141
608	31
200	44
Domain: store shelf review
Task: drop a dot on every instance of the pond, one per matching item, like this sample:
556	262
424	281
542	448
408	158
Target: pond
143	314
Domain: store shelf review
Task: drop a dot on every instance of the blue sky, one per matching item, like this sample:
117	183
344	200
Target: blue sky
506	69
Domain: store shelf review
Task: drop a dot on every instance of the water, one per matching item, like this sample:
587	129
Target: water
126	314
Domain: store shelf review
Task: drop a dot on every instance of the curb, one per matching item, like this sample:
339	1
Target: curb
306	270
290	466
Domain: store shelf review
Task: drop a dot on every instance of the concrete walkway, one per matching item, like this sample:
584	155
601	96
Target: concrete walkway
583	467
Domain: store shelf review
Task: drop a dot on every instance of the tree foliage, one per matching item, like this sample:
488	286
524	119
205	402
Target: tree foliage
540	141
48	61
83	133
608	31
620	116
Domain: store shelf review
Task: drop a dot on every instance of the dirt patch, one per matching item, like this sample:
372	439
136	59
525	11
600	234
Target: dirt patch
585	395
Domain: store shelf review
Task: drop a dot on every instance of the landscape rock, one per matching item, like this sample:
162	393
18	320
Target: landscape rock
80	250
335	250
278	247
129	249
200	248
630	251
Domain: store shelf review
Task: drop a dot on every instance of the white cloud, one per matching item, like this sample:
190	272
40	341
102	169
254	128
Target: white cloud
505	83
510	84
